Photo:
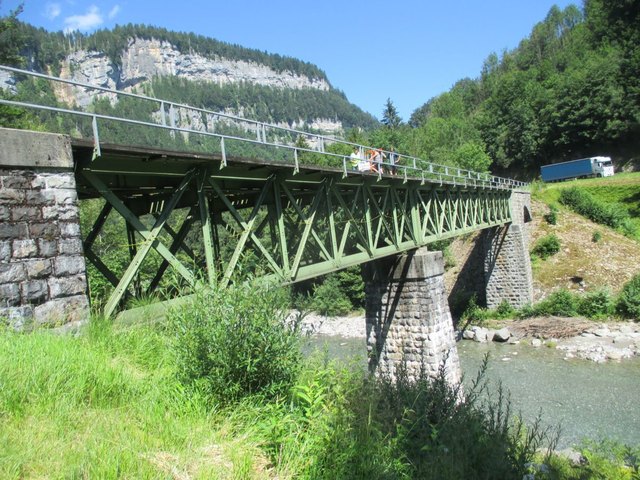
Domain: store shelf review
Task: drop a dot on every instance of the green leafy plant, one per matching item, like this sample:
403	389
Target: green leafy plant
596	237
504	310
561	303
546	246
551	217
474	313
329	298
629	299
596	305
582	202
234	342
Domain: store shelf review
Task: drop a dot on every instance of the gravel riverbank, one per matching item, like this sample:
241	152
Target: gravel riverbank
577	338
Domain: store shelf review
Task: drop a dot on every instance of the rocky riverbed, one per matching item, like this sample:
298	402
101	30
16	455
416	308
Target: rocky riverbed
576	338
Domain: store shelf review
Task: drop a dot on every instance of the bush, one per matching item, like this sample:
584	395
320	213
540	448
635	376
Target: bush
612	215
596	305
504	310
629	299
561	303
474	313
546	246
596	237
330	298
551	217
234	342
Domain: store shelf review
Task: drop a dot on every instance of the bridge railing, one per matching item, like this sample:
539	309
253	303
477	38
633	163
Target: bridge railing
300	147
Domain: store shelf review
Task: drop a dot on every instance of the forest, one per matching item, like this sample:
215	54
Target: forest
570	89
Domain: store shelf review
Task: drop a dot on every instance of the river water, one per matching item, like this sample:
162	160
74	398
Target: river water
588	400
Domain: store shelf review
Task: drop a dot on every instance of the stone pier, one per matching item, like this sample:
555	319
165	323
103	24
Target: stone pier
408	320
507	265
42	267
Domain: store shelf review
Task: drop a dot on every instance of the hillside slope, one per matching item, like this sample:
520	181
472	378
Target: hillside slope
583	264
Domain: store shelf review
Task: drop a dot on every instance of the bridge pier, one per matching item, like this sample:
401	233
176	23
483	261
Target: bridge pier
507	265
42	267
409	324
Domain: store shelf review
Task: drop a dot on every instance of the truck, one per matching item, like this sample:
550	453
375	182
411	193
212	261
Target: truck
581	168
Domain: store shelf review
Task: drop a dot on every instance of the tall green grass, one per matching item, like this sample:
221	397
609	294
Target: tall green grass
104	405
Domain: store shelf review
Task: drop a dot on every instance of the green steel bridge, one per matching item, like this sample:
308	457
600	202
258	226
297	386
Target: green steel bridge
210	193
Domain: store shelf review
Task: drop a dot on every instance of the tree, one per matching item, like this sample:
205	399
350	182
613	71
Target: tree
9	45
390	117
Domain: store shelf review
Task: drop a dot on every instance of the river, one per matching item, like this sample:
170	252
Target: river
588	400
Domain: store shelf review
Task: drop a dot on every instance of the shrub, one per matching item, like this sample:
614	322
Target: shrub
551	217
596	237
629	299
234	342
474	313
546	246
352	284
561	303
330	298
504	310
612	215
596	305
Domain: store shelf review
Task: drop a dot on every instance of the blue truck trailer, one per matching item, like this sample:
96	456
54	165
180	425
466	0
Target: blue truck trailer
583	167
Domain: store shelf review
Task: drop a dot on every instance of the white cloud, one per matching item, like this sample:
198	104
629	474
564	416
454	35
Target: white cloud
113	12
52	10
89	21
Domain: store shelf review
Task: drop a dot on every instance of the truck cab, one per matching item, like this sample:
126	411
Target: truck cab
602	166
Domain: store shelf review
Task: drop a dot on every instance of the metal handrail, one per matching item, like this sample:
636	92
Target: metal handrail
442	173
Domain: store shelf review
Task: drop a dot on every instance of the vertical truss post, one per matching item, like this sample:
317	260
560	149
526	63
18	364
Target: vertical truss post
133	250
414	205
282	233
223	152
368	221
205	224
163	114
332	223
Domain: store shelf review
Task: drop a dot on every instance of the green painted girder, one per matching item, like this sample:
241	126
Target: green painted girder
293	226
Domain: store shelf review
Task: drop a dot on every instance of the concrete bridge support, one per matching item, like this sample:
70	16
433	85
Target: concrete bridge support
42	267
408	320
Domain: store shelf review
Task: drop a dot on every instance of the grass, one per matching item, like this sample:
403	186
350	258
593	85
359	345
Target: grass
106	405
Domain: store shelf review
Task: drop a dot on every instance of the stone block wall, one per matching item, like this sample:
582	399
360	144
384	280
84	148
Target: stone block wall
507	266
408	320
42	267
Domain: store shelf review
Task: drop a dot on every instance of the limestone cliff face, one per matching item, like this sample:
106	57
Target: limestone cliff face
144	59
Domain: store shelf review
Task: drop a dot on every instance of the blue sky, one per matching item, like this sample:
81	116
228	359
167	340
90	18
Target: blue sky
406	50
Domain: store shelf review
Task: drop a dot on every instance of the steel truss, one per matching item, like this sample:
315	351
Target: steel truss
293	226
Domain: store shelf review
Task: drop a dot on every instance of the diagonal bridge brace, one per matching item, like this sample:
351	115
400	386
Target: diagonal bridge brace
150	237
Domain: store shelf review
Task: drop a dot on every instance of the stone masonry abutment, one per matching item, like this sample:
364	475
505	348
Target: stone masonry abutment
408	320
42	266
